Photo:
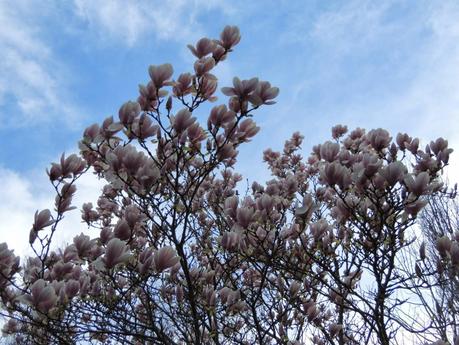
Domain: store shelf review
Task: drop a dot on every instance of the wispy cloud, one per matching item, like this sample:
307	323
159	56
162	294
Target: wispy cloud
377	64
132	22
32	87
353	25
24	193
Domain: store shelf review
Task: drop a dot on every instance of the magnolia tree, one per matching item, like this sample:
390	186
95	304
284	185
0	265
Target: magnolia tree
438	290
182	256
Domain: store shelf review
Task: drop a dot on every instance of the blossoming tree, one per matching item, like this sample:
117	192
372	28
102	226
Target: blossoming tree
184	257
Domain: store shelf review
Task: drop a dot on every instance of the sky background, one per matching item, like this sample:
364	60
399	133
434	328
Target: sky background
67	64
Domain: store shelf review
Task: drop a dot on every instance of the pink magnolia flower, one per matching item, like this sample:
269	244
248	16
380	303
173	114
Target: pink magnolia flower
220	115
160	75
182	120
329	151
454	253
247	129
444	245
403	140
379	138
122	230
91	132
204	65
334	329
230	36
394	172
230	240
413	208
203	47
42	220
165	258
145	261
83	245
9	263
244	216
88	214
338	131
182	86
241	88
419	184
115	253
43	296
312	312
438	145
128	112
71	288
143	127
264	94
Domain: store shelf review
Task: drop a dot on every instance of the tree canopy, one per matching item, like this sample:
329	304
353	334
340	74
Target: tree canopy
321	253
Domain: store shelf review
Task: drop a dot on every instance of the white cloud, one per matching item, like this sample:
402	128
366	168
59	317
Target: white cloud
31	84
132	22
24	193
401	63
17	204
357	23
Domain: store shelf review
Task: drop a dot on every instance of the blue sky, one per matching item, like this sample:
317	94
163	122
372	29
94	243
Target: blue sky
67	64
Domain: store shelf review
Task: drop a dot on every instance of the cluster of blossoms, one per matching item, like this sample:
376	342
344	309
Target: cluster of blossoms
181	257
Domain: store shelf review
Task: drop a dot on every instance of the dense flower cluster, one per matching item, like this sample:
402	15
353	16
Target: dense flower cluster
182	257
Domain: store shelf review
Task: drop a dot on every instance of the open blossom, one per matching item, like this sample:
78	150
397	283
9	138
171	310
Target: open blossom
71	288
230	36
165	258
66	168
42	220
145	261
336	174
338	131
9	264
335	329
143	127
203	47
128	112
88	214
230	240
403	140
220	115
115	253
229	296
244	216
83	245
305	211
72	165
204	65
182	120
182	86
444	245
329	151
413	208
438	145
241	88
264	94
394	172
42	296
418	184
122	230
160	75
454	253
379	138
149	95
